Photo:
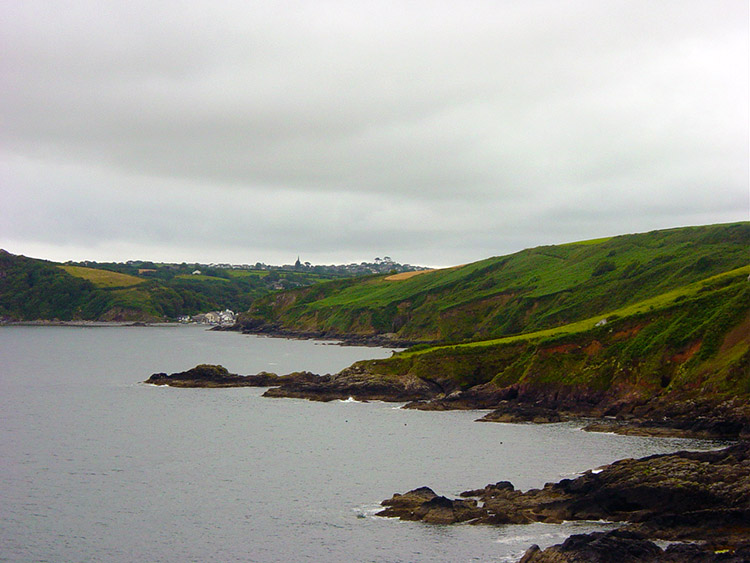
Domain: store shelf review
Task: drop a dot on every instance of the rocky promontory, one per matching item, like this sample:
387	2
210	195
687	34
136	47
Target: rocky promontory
675	414
207	375
354	382
702	498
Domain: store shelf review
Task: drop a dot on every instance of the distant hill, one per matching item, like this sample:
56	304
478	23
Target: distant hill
677	363
36	289
531	290
32	289
650	333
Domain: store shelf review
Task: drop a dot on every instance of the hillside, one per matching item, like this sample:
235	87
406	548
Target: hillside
680	359
36	289
102	278
32	289
535	289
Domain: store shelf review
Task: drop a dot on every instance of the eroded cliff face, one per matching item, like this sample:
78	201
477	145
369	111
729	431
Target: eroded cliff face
687	368
684	369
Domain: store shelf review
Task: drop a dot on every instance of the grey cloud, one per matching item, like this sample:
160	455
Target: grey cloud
359	124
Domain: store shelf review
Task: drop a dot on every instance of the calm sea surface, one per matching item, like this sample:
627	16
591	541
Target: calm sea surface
95	466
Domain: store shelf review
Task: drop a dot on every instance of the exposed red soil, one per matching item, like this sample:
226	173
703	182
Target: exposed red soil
685	355
736	335
629	333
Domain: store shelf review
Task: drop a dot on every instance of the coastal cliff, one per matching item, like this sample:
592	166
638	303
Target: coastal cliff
681	369
535	289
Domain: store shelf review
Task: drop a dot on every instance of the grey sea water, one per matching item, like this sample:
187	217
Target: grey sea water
95	466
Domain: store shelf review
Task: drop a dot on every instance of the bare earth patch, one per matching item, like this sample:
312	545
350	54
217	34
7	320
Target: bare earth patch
406	275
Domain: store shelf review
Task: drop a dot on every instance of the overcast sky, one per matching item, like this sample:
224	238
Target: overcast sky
436	133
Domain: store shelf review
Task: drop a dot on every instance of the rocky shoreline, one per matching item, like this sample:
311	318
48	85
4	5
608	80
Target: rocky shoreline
87	324
702	498
687	416
698	500
297	385
678	416
208	375
385	340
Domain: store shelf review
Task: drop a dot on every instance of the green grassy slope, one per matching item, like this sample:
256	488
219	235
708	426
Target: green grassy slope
36	289
535	289
693	344
216	287
102	278
33	289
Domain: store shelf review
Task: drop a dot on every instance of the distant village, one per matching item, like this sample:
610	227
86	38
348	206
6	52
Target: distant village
214	318
234	286
146	268
379	265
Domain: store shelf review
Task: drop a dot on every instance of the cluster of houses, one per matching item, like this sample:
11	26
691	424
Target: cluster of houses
219	318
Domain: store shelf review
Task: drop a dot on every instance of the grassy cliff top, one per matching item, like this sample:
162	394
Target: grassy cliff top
535	289
103	278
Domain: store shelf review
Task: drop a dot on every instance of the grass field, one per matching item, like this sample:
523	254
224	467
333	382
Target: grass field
531	290
588	242
248	273
405	275
201	277
652	304
103	278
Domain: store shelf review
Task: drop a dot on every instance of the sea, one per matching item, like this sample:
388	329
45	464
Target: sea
97	466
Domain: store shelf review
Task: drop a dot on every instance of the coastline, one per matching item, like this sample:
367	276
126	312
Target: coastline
686	419
373	340
92	324
696	504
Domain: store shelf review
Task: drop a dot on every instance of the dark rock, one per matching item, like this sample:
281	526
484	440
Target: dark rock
450	397
405	506
598	547
490	490
684	416
515	412
353	382
623	546
423	504
207	375
531	554
682	496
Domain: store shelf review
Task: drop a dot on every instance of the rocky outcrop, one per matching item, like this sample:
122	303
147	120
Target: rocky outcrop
207	375
423	504
622	546
681	415
352	382
686	496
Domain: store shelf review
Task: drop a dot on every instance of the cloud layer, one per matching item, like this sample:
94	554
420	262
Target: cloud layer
434	132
